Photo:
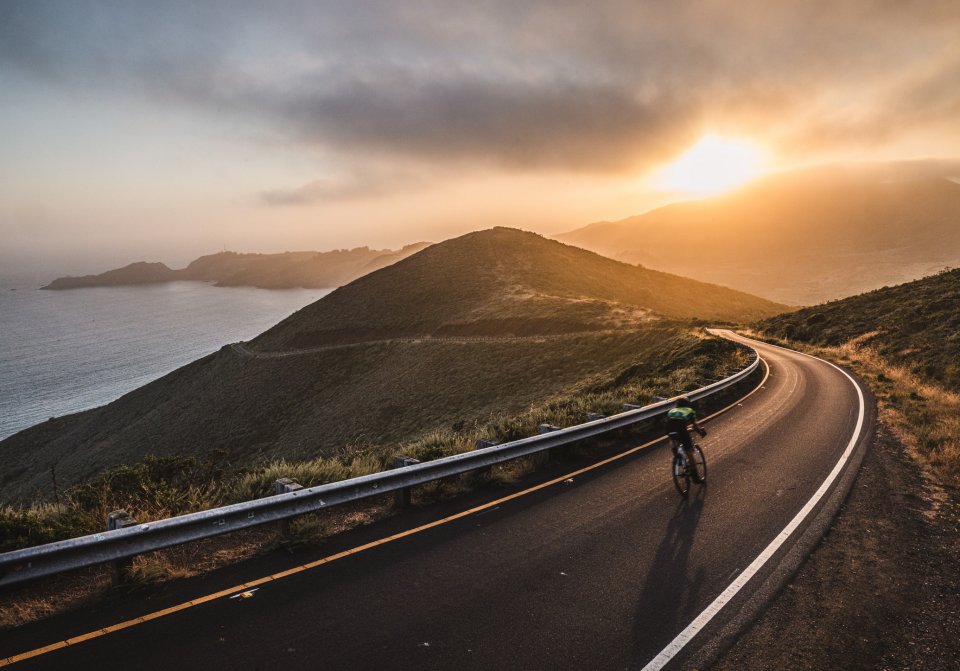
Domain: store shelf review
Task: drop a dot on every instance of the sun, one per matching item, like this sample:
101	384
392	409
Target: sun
711	166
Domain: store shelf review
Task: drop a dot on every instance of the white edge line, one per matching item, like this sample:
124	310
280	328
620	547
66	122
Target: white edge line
685	636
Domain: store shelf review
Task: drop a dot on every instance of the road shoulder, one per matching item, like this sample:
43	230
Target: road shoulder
882	590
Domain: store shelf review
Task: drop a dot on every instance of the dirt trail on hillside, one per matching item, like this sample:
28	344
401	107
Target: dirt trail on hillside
882	591
242	349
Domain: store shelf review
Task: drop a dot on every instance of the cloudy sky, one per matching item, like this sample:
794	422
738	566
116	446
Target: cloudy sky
161	131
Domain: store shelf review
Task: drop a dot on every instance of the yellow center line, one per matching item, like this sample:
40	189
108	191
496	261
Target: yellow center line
346	553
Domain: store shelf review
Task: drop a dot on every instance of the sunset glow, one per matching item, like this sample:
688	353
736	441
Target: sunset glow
711	166
166	131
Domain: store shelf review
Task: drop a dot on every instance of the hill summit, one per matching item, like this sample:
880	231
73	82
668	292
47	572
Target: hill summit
504	281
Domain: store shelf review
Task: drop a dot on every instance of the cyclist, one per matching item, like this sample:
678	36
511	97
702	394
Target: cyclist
678	417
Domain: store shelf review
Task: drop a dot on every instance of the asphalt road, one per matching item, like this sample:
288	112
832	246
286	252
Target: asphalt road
599	573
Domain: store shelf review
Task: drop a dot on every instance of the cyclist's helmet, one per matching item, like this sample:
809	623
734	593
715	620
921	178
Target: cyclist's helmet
683	402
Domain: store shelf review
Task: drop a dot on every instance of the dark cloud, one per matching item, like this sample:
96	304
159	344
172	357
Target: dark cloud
532	85
573	125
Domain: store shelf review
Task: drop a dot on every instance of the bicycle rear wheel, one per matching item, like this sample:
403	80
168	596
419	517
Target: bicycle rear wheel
681	478
699	465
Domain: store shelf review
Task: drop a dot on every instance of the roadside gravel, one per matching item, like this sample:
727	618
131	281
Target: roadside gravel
881	591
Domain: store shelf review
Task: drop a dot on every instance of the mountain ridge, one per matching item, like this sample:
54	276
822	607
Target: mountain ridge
797	238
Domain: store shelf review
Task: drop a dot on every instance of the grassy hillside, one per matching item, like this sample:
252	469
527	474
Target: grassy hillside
631	368
486	325
799	238
905	341
916	325
506	282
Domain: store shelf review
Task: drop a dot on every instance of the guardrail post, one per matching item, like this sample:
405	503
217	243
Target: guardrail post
631	406
542	429
285	486
482	444
657	399
120	568
594	416
403	495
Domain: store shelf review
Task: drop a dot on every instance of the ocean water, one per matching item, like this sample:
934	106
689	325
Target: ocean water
65	351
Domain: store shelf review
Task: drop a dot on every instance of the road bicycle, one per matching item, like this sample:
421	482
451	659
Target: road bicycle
687	467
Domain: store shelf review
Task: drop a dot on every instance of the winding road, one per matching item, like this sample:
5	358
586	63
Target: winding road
604	568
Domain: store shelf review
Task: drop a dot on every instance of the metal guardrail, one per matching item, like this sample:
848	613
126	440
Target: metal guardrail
43	560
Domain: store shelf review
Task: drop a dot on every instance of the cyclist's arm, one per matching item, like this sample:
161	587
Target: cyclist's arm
699	429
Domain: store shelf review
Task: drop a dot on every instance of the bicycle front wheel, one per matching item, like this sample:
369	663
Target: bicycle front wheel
699	463
680	476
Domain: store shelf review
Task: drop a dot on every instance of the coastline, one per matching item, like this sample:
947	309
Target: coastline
62	353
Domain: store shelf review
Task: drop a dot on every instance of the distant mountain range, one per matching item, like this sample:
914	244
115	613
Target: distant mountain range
267	271
484	324
799	238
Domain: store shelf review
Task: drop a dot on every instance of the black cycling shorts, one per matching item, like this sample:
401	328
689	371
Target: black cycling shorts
679	427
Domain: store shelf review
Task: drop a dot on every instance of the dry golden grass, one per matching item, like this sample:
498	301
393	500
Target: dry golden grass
59	594
924	415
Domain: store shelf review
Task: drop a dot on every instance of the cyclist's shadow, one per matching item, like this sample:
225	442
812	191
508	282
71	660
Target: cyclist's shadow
671	593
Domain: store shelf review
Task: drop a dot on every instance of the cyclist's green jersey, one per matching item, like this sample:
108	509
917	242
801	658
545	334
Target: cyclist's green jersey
686	414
